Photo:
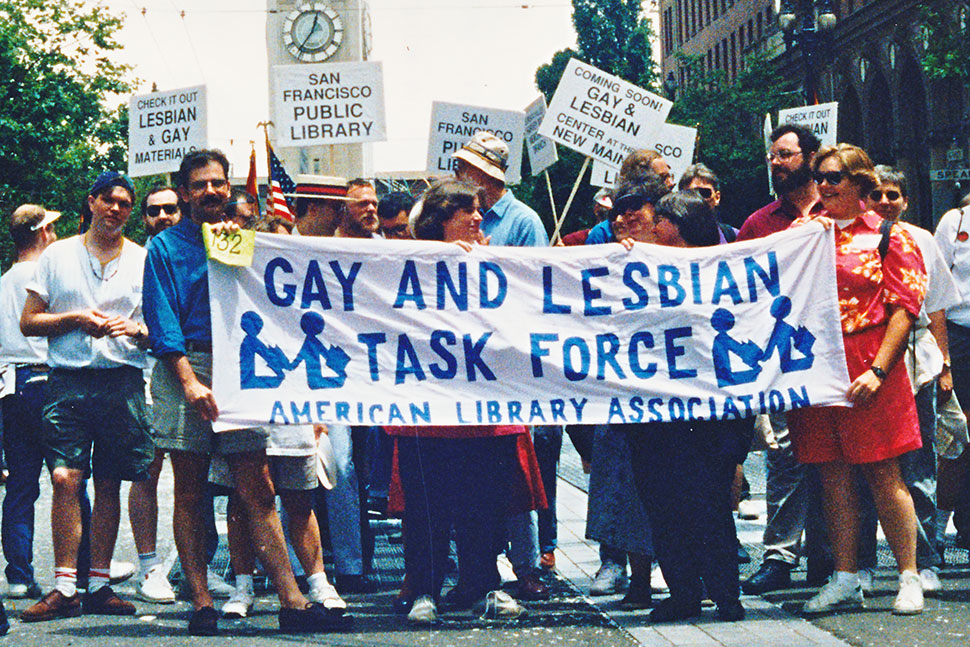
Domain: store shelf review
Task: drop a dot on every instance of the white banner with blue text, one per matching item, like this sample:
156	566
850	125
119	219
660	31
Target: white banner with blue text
375	332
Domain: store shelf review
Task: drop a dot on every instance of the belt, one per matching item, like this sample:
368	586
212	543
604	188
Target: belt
37	368
198	346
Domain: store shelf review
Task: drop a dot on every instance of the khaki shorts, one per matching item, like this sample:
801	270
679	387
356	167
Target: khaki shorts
177	424
294	473
97	418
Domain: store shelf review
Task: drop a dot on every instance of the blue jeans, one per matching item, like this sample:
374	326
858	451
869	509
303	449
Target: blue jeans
24	447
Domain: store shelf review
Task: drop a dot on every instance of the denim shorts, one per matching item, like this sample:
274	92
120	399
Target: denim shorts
96	419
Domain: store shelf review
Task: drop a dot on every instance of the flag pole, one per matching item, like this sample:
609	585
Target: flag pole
572	194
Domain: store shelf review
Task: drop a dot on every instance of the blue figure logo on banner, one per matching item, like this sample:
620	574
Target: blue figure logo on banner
310	355
313	350
725	345
252	346
785	337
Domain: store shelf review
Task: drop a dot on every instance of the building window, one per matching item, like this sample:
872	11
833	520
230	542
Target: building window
760	26
741	38
734	58
717	56
751	33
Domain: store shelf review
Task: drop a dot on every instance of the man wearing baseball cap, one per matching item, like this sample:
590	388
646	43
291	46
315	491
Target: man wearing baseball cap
85	297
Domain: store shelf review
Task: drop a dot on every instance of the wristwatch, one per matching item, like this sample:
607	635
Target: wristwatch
878	372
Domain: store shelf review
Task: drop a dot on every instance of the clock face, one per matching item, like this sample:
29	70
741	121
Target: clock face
313	32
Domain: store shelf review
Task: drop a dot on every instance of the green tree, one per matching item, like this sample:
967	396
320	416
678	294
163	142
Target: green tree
57	127
614	36
946	39
729	117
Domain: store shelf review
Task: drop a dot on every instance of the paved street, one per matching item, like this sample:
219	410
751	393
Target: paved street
569	618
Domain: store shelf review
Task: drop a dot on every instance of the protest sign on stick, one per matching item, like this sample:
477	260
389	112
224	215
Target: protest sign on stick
329	103
542	150
822	119
601	115
163	127
675	143
452	125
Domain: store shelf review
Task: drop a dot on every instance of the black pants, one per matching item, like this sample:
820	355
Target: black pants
683	472
460	483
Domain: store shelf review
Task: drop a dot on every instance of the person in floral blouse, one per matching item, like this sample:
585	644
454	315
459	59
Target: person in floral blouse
880	294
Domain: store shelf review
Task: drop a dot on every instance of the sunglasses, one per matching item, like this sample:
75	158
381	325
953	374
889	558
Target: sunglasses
832	177
704	191
892	196
629	202
155	209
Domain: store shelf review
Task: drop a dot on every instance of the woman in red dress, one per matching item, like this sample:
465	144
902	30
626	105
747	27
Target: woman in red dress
880	292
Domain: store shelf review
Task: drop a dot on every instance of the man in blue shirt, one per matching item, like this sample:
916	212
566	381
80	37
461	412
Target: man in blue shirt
505	220
176	296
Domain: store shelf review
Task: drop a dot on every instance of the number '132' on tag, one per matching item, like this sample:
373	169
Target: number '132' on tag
229	247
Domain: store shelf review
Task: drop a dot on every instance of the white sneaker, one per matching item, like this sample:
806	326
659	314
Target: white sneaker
423	612
657	582
327	596
610	579
930	580
153	586
218	587
499	605
866	576
909	600
749	510
120	571
836	594
239	604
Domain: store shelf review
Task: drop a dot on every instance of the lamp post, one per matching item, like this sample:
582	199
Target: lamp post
806	24
670	86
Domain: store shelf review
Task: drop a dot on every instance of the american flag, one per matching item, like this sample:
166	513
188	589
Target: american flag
279	183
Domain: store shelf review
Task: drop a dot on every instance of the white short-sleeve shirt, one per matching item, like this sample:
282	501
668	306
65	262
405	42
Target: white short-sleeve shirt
68	278
14	347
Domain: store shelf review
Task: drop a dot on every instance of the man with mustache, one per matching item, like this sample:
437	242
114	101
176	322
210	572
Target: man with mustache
179	318
791	486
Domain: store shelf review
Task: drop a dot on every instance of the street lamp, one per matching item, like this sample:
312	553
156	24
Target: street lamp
806	24
670	86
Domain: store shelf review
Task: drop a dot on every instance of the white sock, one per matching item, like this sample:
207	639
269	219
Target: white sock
98	579
844	577
147	560
318	581
244	583
65	581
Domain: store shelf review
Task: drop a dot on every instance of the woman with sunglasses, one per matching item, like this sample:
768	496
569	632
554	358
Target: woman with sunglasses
683	470
881	291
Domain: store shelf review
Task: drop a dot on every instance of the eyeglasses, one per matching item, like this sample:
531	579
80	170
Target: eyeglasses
154	209
783	155
705	191
832	177
200	185
892	196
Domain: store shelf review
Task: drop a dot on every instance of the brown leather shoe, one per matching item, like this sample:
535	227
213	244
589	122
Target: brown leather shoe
53	605
548	561
104	602
531	588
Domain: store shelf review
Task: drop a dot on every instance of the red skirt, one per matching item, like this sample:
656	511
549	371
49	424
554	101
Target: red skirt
885	427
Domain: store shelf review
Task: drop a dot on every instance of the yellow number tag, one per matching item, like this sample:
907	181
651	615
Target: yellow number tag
232	248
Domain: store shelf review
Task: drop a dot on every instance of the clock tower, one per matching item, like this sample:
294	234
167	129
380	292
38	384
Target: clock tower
319	31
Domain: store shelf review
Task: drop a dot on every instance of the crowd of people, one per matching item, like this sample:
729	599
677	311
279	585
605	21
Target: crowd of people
89	321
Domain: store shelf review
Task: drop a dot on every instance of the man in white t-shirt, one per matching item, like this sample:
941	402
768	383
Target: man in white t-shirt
85	297
32	230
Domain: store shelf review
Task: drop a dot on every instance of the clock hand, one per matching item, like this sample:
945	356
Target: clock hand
313	29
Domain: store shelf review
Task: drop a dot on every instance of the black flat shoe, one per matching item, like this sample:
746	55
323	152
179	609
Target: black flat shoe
204	622
673	610
772	576
730	611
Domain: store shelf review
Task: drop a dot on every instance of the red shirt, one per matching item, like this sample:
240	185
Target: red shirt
772	218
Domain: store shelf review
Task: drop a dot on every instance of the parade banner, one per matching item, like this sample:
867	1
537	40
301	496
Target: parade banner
542	150
821	119
362	332
675	143
601	115
163	127
329	103
452	125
